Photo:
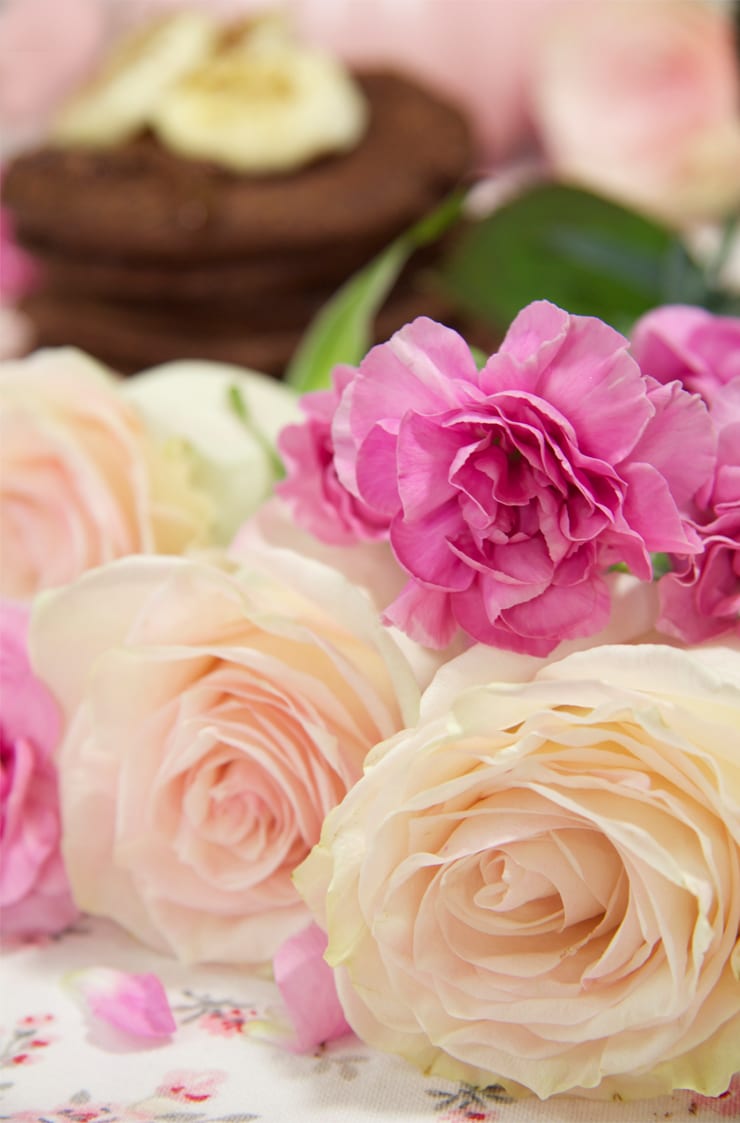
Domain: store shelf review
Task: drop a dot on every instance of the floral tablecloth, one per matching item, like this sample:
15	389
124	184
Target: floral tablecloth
56	1064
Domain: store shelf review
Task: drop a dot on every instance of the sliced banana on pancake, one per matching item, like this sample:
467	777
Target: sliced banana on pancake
119	102
263	104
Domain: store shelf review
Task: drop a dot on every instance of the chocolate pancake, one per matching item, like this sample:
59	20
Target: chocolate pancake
131	337
141	203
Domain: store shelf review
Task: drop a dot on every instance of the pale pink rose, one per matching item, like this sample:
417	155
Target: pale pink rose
538	883
510	491
134	1003
34	892
679	341
641	101
82	480
48	49
215	714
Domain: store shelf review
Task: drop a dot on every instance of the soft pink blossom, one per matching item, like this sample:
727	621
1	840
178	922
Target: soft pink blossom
640	101
306	983
134	1003
321	504
509	491
215	711
34	892
701	600
19	273
48	49
679	341
537	884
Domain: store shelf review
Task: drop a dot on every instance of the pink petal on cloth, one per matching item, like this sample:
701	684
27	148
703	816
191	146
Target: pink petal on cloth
136	1004
306	983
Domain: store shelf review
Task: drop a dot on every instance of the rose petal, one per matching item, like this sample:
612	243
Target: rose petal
306	983
134	1003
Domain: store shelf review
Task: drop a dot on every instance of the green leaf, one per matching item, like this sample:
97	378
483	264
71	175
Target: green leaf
241	410
661	565
589	255
342	330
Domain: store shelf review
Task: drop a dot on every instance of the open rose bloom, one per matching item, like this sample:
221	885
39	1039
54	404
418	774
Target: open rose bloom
540	882
35	898
82	480
215	712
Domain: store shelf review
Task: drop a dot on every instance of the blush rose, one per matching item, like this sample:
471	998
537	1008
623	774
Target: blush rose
540	882
642	103
35	897
215	713
82	481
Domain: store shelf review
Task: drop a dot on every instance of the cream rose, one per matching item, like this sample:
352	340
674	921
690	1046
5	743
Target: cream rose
215	714
82	481
230	418
540	882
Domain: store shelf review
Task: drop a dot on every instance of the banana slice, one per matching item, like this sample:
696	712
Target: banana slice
265	105
119	102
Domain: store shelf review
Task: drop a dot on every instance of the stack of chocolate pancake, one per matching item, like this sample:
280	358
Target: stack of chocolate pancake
149	255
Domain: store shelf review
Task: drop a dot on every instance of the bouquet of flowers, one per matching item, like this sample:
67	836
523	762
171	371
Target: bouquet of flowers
416	676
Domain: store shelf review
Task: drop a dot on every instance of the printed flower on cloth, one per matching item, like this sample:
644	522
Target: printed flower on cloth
508	492
34	892
215	713
540	882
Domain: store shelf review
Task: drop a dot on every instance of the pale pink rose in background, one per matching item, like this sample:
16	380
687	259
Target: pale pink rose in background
82	481
49	48
538	884
640	101
214	715
34	892
16	333
510	491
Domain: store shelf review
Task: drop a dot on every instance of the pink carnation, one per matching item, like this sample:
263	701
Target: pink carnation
690	344
701	600
509	491
325	508
34	893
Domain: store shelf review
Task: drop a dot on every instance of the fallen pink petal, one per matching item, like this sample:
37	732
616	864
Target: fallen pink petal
306	983
136	1004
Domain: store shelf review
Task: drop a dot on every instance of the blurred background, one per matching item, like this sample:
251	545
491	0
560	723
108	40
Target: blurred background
595	146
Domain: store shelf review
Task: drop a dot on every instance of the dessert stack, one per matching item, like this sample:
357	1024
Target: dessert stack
211	188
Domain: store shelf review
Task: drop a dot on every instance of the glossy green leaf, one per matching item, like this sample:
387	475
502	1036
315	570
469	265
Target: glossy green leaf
342	330
589	255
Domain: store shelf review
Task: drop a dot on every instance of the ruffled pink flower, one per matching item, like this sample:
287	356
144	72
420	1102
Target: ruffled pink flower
701	600
509	491
690	344
34	892
321	504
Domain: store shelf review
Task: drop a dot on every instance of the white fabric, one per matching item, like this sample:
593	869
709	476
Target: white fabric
57	1065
